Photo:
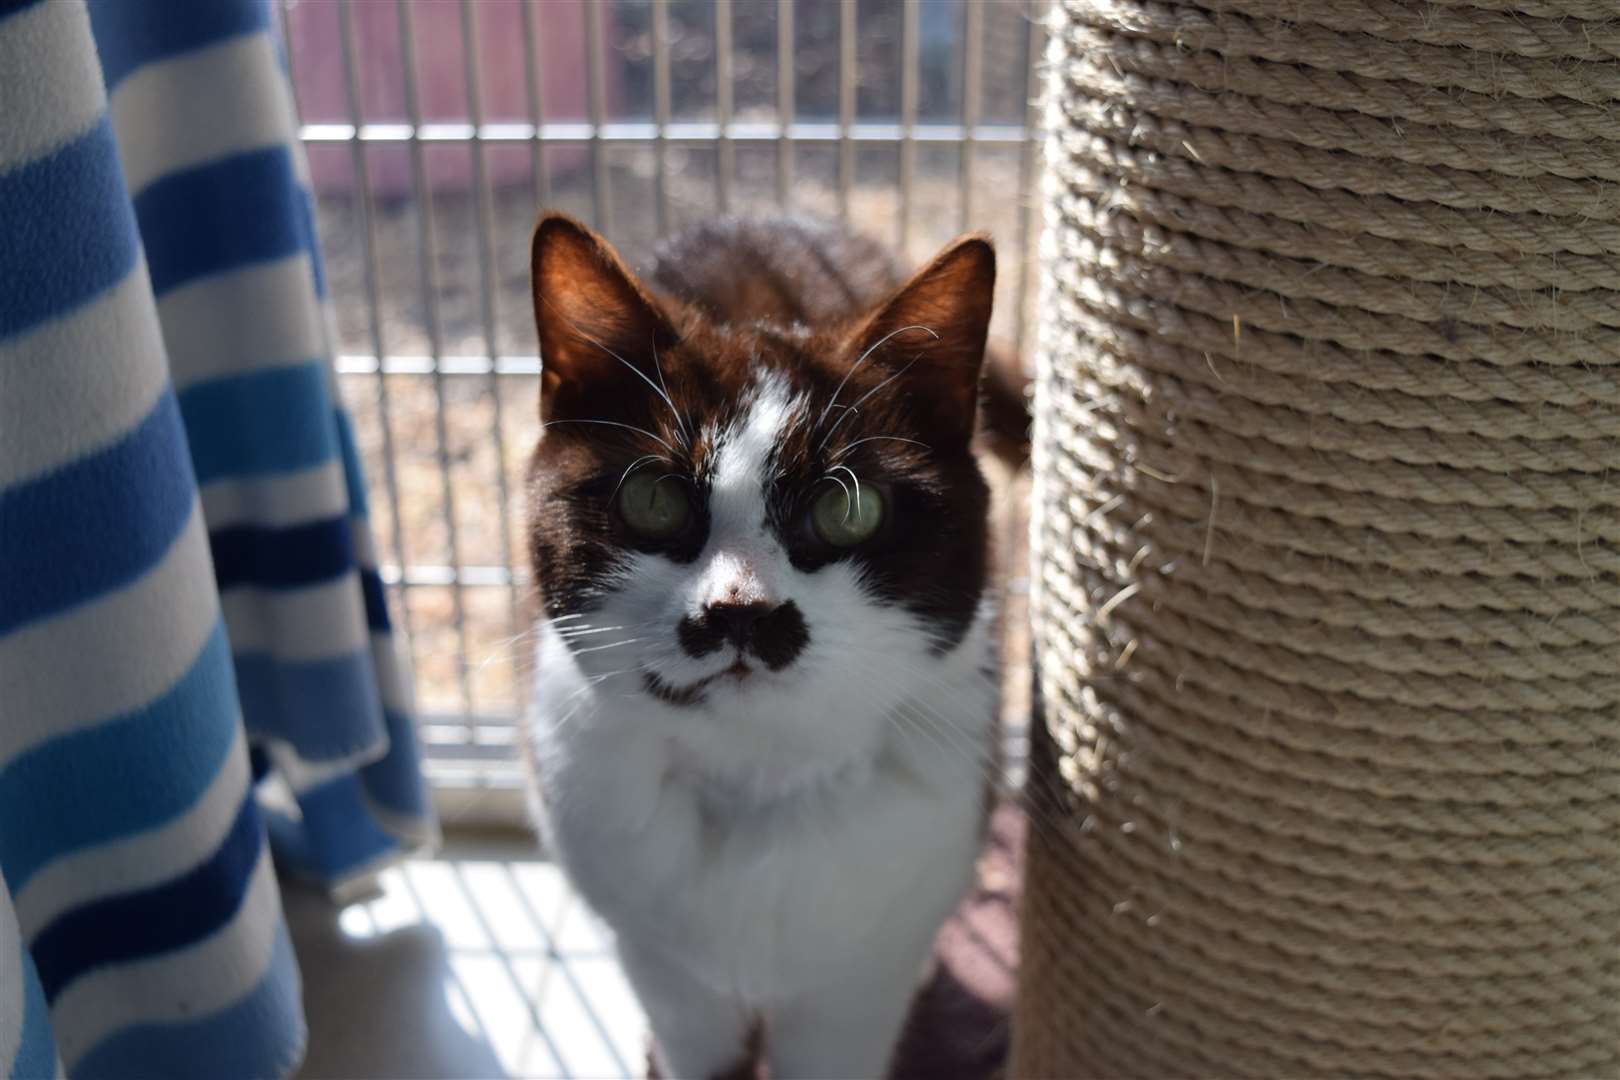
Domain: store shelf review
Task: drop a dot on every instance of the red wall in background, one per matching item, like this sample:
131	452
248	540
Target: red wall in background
317	58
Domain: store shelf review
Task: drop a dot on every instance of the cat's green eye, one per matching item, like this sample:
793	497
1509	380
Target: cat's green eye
846	516
654	506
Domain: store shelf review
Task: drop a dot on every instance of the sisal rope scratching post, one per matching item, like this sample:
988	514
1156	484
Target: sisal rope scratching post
1327	529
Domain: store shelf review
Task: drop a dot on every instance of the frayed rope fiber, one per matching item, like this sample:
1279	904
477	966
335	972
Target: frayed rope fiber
1327	542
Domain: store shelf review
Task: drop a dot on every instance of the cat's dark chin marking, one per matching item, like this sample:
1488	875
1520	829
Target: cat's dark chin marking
669	694
740	300
696	693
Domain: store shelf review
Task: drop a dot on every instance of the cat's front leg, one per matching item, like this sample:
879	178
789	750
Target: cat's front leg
846	1029
627	835
700	1033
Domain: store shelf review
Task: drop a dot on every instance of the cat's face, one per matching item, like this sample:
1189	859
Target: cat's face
780	531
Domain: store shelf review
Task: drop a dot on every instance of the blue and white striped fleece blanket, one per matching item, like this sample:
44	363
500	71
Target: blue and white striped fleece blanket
188	593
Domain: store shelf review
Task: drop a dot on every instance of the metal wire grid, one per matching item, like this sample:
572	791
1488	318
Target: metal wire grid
472	748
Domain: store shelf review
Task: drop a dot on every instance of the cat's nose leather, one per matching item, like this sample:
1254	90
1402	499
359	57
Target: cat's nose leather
737	620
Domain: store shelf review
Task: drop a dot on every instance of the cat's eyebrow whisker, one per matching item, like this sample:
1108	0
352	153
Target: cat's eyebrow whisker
680	421
861	400
638	372
844	451
642	460
662	394
850	506
861	360
841	484
616	424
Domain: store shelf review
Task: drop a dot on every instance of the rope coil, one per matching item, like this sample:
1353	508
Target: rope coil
1327	542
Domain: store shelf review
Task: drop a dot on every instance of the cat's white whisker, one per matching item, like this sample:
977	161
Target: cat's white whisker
663	388
642	460
851	506
861	401
848	499
950	736
856	366
847	447
662	393
587	632
615	424
604	648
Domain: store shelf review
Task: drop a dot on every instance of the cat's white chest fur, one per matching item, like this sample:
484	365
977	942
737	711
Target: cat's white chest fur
752	873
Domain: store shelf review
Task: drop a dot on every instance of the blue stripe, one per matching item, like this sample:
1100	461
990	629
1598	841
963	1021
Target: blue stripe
353	476
9	8
334	837
313	234
69	233
259	761
395	782
230	213
284	558
376	601
122	777
36	1053
327	709
153	921
260	1035
262	422
130	33
96	524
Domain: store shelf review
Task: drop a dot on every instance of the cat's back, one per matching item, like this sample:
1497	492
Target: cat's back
788	271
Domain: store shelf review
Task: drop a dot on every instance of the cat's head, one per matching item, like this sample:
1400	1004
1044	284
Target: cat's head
779	529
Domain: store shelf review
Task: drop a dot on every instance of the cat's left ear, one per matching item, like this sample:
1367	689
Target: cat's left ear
600	330
933	328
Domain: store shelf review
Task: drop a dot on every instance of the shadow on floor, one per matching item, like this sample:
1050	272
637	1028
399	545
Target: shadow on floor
387	1006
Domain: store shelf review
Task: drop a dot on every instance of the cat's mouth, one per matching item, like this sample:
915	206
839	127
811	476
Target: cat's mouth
692	693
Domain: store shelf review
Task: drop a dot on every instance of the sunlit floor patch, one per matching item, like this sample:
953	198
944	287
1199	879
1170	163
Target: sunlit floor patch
478	963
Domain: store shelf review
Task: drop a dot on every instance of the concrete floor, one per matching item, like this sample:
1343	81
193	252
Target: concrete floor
477	963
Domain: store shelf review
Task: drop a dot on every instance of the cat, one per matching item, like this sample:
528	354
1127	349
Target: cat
764	708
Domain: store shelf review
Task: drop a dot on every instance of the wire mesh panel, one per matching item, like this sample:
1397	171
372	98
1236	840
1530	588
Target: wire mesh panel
435	130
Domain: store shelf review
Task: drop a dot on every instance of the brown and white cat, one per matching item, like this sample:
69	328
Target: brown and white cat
762	708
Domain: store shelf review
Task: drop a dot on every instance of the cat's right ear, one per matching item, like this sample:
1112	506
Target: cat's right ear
594	318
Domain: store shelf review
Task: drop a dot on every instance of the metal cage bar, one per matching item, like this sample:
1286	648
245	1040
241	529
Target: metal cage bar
910	76
642	132
488	291
725	162
785	111
372	275
972	83
533	76
846	104
660	40
1028	161
428	243
596	96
